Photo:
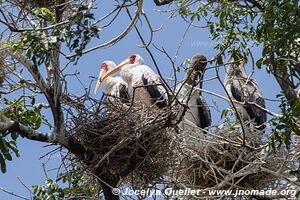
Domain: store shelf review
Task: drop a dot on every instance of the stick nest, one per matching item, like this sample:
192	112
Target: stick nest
126	138
223	161
142	144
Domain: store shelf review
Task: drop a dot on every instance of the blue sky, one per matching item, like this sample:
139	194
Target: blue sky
29	168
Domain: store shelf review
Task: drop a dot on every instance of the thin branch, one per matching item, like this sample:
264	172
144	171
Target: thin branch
13	194
241	103
119	37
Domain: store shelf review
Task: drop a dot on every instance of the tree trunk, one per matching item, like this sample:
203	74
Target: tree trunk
108	192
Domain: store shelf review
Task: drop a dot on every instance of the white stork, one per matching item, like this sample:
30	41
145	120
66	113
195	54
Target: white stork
143	83
114	86
198	113
244	89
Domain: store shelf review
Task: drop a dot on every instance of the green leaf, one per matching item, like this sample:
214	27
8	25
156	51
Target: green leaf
3	164
220	60
259	63
14	135
8	156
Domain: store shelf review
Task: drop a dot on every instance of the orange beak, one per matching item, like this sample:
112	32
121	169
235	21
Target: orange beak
100	79
115	70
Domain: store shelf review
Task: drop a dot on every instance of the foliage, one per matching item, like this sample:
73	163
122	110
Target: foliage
237	26
76	35
285	126
17	111
73	184
80	31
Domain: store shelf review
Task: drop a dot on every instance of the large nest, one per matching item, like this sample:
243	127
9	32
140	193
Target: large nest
121	136
229	160
143	144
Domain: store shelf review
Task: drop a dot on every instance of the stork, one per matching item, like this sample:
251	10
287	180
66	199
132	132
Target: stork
114	86
144	85
198	113
245	90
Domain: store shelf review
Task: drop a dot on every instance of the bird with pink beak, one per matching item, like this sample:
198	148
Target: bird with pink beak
115	87
143	83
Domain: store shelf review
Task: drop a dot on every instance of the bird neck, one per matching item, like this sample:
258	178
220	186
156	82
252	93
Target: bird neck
191	77
130	66
126	73
108	83
235	70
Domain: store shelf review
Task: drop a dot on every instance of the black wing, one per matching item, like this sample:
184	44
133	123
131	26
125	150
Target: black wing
156	96
204	112
123	93
236	90
253	95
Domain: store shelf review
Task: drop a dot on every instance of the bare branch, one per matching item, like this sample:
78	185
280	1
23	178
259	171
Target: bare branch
120	36
13	194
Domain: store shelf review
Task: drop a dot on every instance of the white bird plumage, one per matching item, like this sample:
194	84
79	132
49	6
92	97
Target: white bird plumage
114	86
143	83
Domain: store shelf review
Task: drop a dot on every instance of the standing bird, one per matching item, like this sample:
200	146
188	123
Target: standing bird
198	112
114	86
245	90
144	85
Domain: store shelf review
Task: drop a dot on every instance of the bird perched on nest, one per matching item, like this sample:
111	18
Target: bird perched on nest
114	86
144	85
245	90
198	113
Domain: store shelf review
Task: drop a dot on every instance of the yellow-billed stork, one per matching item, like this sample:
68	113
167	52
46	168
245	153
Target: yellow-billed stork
198	113
143	83
244	89
114	86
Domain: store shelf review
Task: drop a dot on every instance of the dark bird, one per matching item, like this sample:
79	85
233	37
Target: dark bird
198	113
244	89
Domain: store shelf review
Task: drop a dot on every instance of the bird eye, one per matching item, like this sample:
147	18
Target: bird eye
132	58
104	66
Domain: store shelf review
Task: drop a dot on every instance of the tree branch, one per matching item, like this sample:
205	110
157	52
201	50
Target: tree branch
7	124
69	142
45	88
13	194
284	83
120	36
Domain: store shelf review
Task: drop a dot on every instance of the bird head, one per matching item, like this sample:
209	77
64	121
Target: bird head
236	68
199	62
131	62
105	67
134	59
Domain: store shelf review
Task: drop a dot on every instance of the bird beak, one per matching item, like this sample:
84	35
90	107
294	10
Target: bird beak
115	70
99	81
